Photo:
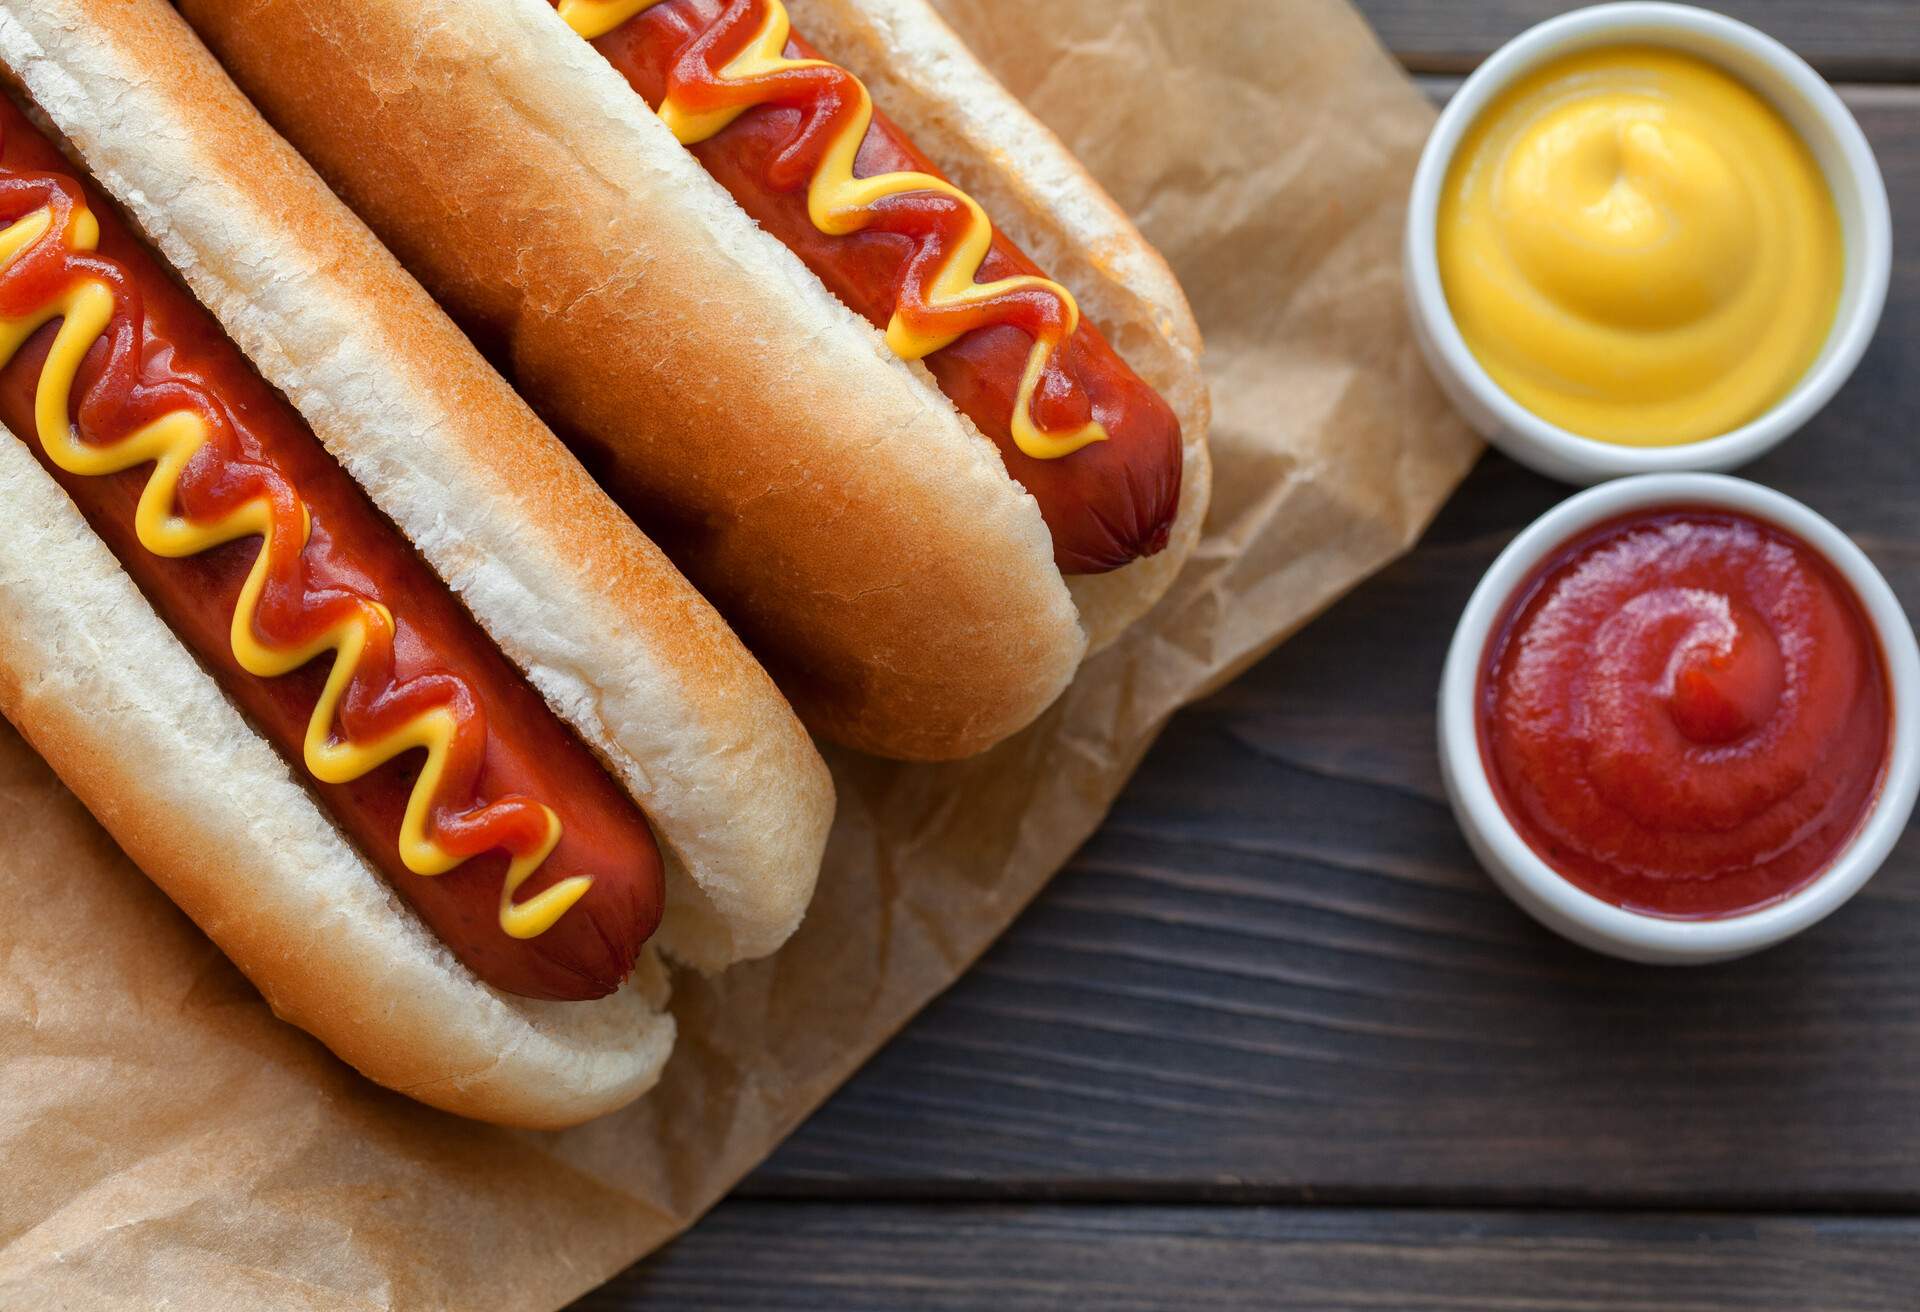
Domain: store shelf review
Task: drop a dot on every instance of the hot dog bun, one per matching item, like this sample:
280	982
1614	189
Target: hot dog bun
620	645
863	536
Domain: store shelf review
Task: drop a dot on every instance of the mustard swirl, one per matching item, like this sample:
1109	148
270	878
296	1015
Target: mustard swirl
839	203
1639	248
85	308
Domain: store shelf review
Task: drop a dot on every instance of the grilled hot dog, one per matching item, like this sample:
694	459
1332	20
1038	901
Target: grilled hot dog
334	637
1107	502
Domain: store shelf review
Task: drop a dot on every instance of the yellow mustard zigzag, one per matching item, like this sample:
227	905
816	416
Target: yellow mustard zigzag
840	203
85	309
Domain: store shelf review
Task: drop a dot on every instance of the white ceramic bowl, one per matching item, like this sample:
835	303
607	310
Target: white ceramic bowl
1809	106
1558	903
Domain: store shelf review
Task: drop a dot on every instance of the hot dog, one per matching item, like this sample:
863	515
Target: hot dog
1108	493
818	478
268	505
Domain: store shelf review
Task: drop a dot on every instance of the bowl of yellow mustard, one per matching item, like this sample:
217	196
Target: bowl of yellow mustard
1642	238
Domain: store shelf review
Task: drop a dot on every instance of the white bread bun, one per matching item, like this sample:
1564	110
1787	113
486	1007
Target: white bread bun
863	536
619	644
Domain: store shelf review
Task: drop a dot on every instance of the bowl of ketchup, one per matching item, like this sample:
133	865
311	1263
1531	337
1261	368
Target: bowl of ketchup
1678	721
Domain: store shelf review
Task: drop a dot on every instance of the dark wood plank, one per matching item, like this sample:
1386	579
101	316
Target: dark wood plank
852	1258
1858	40
1277	973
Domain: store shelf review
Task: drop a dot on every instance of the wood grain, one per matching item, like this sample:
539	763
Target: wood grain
1277	973
1856	40
930	1258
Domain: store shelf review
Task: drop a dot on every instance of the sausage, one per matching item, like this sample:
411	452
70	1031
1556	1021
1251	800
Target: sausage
162	352
1106	503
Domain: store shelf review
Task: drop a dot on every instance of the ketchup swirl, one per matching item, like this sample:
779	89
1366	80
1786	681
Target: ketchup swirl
1686	713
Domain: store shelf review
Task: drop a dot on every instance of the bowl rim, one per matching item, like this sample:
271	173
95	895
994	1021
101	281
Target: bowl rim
1641	935
1654	22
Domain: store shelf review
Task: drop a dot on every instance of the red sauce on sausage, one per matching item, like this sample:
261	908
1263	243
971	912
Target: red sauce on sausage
1106	504
163	352
1686	713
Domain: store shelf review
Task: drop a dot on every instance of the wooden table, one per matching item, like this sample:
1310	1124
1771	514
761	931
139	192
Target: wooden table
1273	1041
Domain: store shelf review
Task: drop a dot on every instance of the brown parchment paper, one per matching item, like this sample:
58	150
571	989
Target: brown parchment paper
166	1142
